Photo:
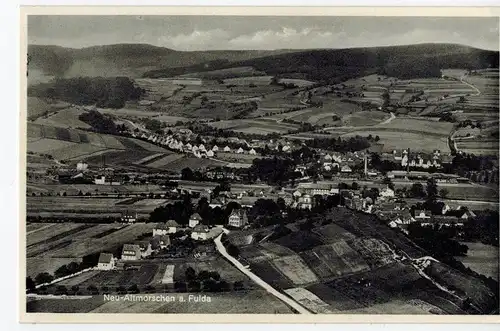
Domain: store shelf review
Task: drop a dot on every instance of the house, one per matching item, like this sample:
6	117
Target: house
145	247
387	193
346	169
128	217
215	148
170	226
305	202
210	154
160	242
227	149
81	166
422	215
194	220
100	181
131	252
467	214
238	218
252	152
106	261
297	194
287	197
240	151
200	232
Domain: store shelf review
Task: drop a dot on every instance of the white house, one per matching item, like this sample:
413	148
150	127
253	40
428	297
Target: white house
81	166
131	252
305	202
165	228
202	148
227	149
215	148
106	261
194	220
238	218
422	215
252	152
240	151
346	169
128	217
387	193
145	248
200	232
100	181
210	153
297	194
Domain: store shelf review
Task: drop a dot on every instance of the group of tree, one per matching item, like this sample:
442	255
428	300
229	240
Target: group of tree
88	261
99	122
351	144
100	91
276	170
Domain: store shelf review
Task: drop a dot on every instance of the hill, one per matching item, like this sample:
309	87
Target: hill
124	59
422	60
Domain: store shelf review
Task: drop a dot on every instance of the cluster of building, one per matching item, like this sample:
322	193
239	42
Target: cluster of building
409	159
398	214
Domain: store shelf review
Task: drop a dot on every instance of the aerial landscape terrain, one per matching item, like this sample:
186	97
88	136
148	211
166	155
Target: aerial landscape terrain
357	180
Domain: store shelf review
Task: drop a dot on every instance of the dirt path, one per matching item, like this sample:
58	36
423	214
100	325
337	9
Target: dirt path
389	120
292	303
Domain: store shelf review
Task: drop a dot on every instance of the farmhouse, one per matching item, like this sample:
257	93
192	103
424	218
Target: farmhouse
200	232
145	247
252	152
227	149
194	220
215	148
165	228
240	151
131	252
160	242
128	217
238	218
106	261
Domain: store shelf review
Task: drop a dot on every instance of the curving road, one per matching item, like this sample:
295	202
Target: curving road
292	303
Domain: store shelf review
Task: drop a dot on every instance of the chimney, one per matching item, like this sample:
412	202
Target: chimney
366	166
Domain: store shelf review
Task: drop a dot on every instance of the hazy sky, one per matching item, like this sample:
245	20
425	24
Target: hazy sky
226	32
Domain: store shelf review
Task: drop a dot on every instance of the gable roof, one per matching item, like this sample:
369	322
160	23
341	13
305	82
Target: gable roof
171	223
105	258
195	216
200	228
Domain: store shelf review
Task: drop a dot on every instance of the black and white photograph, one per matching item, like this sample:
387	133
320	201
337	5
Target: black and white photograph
265	165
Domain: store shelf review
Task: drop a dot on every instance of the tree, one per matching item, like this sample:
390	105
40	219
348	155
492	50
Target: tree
180	286
190	274
233	250
43	278
187	174
443	193
30	284
432	190
238	285
417	190
354	186
61	290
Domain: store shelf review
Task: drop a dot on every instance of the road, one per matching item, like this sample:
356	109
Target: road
292	303
389	120
470	85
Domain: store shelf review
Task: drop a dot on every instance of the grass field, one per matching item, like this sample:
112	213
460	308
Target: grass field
69	241
481	258
253	301
65	118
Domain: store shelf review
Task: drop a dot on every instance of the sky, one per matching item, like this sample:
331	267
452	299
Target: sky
190	33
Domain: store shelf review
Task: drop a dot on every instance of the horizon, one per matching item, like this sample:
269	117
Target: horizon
262	50
211	33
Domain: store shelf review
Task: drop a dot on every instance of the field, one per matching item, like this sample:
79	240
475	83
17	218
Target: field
51	246
65	118
481	258
71	144
194	163
74	189
257	126
248	302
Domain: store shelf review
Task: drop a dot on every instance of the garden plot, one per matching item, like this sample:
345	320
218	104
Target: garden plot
295	269
164	161
374	251
309	300
39	264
